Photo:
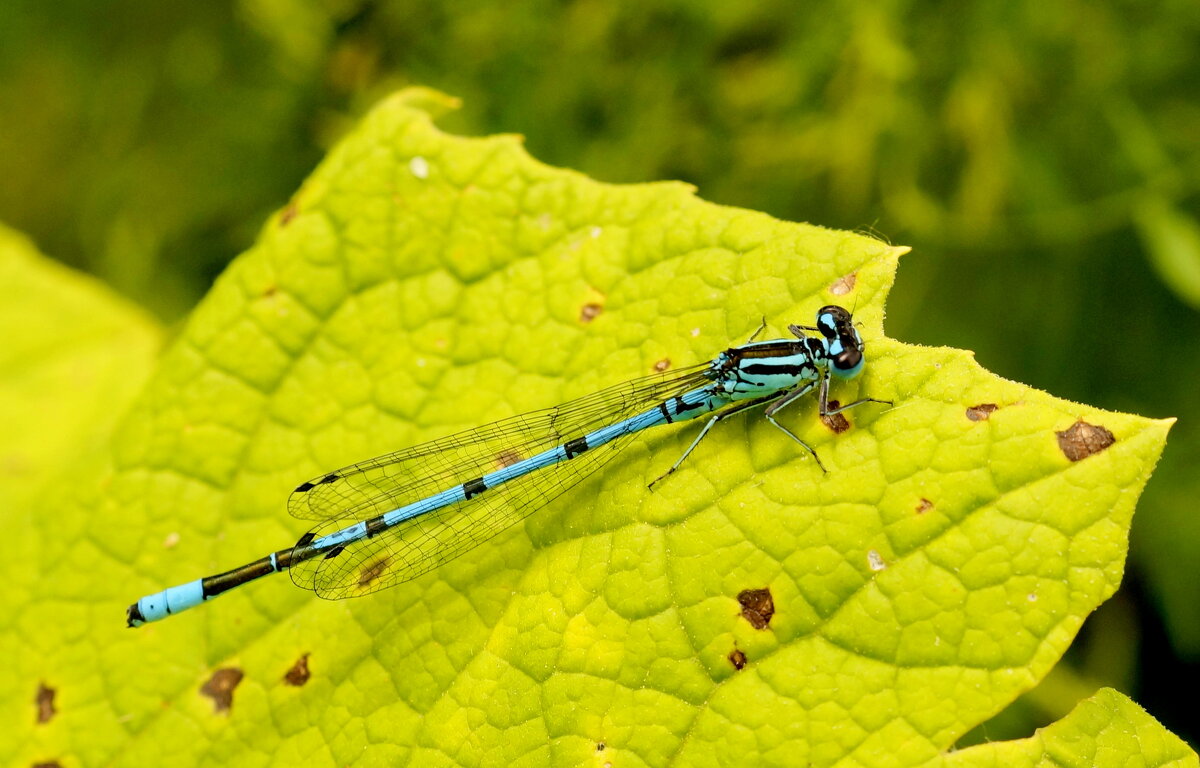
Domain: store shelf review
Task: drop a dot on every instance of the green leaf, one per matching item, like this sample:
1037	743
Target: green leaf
750	611
1106	729
73	356
1172	241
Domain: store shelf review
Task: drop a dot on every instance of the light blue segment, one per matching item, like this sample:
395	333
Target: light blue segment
172	600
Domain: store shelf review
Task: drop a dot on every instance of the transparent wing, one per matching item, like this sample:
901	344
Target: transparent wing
371	488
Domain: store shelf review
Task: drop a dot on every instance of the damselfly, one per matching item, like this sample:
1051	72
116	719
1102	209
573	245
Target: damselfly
398	516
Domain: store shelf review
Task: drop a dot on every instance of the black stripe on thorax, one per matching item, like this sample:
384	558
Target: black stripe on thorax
775	349
682	406
775	369
666	414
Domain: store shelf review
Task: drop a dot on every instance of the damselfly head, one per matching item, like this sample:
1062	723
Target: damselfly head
844	344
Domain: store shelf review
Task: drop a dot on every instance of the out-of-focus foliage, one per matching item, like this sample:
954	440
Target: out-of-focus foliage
1042	157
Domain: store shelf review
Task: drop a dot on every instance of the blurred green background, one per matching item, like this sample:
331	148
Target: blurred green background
1042	157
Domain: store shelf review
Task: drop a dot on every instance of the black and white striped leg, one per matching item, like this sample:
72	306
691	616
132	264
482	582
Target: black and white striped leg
782	403
823	401
709	425
761	327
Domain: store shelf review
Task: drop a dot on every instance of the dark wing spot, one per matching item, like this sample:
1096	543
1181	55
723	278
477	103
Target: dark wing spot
331	477
923	506
304	487
1083	440
589	312
982	411
373	571
298	675
837	422
737	659
306	539
757	606
335	551
45	703
220	687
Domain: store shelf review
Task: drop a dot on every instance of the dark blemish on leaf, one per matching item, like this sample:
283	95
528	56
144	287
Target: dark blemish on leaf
270	291
601	746
662	365
589	312
373	571
220	687
1083	440
923	506
737	659
982	411
49	764
45	703
298	675
844	285
288	214
757	607
507	458
837	422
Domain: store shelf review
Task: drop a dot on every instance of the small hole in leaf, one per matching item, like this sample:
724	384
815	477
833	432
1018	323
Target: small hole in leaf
923	506
875	560
298	675
507	458
757	607
837	422
590	312
1082	440
373	571
662	365
45	703
220	687
844	285
737	659
982	411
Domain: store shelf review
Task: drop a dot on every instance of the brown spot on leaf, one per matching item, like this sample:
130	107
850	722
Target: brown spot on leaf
923	506
662	365
220	687
45	703
737	658
982	411
288	214
601	746
837	422
757	607
47	764
590	312
373	571
270	291
844	285
1082	440
298	675
507	458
